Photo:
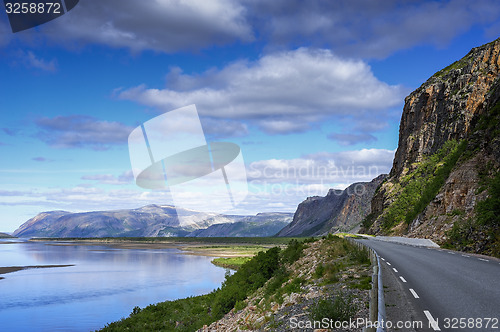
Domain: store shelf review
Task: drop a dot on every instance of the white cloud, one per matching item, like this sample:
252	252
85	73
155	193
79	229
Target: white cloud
124	178
33	61
324	168
163	25
82	131
282	92
366	28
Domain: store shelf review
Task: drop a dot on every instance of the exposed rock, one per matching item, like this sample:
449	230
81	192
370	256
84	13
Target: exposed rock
338	210
448	106
443	107
296	305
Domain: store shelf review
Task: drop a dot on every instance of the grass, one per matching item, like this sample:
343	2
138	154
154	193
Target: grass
231	262
340	309
178	240
482	232
420	186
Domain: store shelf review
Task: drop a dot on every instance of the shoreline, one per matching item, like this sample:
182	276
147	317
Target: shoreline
10	269
211	247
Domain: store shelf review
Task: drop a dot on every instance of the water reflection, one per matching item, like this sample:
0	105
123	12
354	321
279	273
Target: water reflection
103	286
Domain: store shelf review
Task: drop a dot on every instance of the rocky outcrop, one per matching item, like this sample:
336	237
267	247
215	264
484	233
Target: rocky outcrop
338	210
460	102
444	107
150	221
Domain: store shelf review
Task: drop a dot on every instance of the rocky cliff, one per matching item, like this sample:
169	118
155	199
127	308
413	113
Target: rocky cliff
338	210
151	220
448	151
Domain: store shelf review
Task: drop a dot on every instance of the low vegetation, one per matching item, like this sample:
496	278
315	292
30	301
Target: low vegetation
420	186
177	240
266	281
230	262
481	233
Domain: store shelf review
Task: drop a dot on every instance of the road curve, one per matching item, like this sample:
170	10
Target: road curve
448	287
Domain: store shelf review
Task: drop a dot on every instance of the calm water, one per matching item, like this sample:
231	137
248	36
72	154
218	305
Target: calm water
104	285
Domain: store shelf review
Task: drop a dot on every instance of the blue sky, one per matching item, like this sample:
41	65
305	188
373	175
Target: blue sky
315	85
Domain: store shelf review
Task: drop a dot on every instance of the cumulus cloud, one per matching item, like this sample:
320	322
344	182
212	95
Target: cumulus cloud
165	26
361	28
220	128
281	92
364	28
325	168
78	131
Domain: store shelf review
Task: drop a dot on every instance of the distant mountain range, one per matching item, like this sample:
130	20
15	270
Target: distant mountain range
263	224
151	221
4	235
339	210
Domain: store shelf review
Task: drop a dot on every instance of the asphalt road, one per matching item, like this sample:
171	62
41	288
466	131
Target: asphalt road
448	288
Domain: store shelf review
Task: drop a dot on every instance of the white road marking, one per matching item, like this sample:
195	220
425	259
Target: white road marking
395	270
415	295
484	260
382	258
465	256
402	279
388	263
451	252
433	323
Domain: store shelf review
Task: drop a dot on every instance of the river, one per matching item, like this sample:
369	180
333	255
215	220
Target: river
104	284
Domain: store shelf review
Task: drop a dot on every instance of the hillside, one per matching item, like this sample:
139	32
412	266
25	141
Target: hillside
309	280
445	173
338	210
262	224
4	236
147	221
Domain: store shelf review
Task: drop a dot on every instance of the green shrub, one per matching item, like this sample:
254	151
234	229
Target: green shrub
319	271
421	185
359	255
292	252
293	286
341	308
364	283
488	211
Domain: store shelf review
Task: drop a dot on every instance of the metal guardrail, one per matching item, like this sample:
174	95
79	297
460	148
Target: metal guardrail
377	303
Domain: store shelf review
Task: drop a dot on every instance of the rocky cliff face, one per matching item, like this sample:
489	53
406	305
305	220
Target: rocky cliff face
338	210
457	104
443	107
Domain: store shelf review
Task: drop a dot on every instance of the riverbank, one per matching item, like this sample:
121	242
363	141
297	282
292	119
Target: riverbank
10	269
307	280
212	247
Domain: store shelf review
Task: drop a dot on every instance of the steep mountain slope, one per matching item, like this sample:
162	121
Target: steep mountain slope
263	224
448	152
151	220
339	209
